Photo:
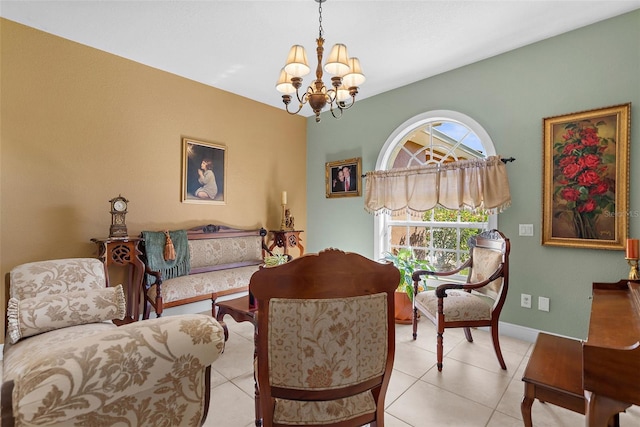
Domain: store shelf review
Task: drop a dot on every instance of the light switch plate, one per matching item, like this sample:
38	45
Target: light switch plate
526	230
543	303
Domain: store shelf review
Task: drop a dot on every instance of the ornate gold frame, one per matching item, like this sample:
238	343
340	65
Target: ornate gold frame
193	152
331	170
585	186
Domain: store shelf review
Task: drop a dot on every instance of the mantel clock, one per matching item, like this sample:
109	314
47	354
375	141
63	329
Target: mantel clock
118	211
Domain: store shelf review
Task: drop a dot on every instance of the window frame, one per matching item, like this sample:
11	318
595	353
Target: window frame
381	238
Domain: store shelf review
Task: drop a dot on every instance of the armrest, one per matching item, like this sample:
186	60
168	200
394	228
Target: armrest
80	376
156	275
441	290
417	275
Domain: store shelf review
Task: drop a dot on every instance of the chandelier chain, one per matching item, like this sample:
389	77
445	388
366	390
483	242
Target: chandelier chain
320	29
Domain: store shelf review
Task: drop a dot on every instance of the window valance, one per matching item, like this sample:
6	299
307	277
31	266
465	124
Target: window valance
479	184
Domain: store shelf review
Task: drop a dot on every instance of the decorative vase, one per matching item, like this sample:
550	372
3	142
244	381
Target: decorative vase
404	308
585	225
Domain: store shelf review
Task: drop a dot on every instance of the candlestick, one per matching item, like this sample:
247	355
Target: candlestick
284	198
632	248
283	223
633	272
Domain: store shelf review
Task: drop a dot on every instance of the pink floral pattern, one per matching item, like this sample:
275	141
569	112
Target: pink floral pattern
584	176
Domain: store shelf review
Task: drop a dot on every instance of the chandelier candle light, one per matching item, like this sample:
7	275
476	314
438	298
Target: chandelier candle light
347	76
631	255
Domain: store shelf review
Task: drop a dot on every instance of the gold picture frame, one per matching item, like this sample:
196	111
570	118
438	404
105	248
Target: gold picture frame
585	190
204	172
336	181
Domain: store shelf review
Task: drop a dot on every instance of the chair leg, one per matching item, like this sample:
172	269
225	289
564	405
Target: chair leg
415	322
146	311
467	334
496	346
439	350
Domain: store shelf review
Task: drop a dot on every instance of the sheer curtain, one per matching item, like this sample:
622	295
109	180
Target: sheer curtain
479	184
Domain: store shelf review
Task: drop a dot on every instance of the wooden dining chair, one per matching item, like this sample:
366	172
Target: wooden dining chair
325	339
476	303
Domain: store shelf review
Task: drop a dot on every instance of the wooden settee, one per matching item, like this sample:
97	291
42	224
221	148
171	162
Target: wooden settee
221	262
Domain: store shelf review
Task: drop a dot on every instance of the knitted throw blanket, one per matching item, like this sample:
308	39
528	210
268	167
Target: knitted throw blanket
154	242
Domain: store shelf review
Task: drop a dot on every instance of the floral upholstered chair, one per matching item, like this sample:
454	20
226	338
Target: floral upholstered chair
476	303
67	364
325	339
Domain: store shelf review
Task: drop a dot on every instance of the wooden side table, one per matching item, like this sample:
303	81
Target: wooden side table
124	252
241	311
286	239
554	375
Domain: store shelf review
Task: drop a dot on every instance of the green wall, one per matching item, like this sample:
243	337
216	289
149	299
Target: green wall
509	95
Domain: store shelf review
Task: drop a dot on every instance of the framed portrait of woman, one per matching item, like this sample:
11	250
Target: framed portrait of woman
204	166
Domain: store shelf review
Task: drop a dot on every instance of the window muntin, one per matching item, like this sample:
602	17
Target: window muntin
439	235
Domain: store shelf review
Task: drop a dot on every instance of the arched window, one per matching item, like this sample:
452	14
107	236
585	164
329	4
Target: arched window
439	235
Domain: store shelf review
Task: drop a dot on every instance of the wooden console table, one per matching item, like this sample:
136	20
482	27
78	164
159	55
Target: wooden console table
241	311
124	252
286	239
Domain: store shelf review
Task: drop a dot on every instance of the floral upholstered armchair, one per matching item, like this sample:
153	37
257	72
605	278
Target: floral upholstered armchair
66	363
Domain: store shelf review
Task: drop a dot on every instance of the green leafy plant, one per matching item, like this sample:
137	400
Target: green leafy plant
407	263
275	259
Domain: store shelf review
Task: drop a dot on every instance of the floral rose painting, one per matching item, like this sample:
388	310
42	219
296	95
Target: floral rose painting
585	200
584	177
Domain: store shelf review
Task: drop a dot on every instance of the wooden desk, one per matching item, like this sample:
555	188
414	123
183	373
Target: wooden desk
554	375
124	252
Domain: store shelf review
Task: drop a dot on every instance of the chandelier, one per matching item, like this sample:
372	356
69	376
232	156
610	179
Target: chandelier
347	76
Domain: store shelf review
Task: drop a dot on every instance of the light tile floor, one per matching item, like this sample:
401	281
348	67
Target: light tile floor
470	391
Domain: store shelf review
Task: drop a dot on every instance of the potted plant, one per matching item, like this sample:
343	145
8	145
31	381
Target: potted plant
275	259
407	263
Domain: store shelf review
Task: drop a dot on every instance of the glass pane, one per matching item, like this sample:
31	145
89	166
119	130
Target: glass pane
398	236
446	240
467	216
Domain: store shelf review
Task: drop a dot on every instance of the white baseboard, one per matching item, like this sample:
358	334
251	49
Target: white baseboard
519	332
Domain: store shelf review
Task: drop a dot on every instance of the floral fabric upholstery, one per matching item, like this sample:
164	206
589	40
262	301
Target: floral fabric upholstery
56	276
148	373
475	305
329	344
485	263
36	315
183	287
458	305
210	252
226	253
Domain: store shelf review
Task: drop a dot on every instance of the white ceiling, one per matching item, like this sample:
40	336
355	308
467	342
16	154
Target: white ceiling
239	46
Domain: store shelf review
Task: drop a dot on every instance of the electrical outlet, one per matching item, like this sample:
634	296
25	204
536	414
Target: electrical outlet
525	300
543	303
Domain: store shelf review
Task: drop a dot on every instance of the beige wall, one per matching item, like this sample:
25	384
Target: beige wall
80	126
